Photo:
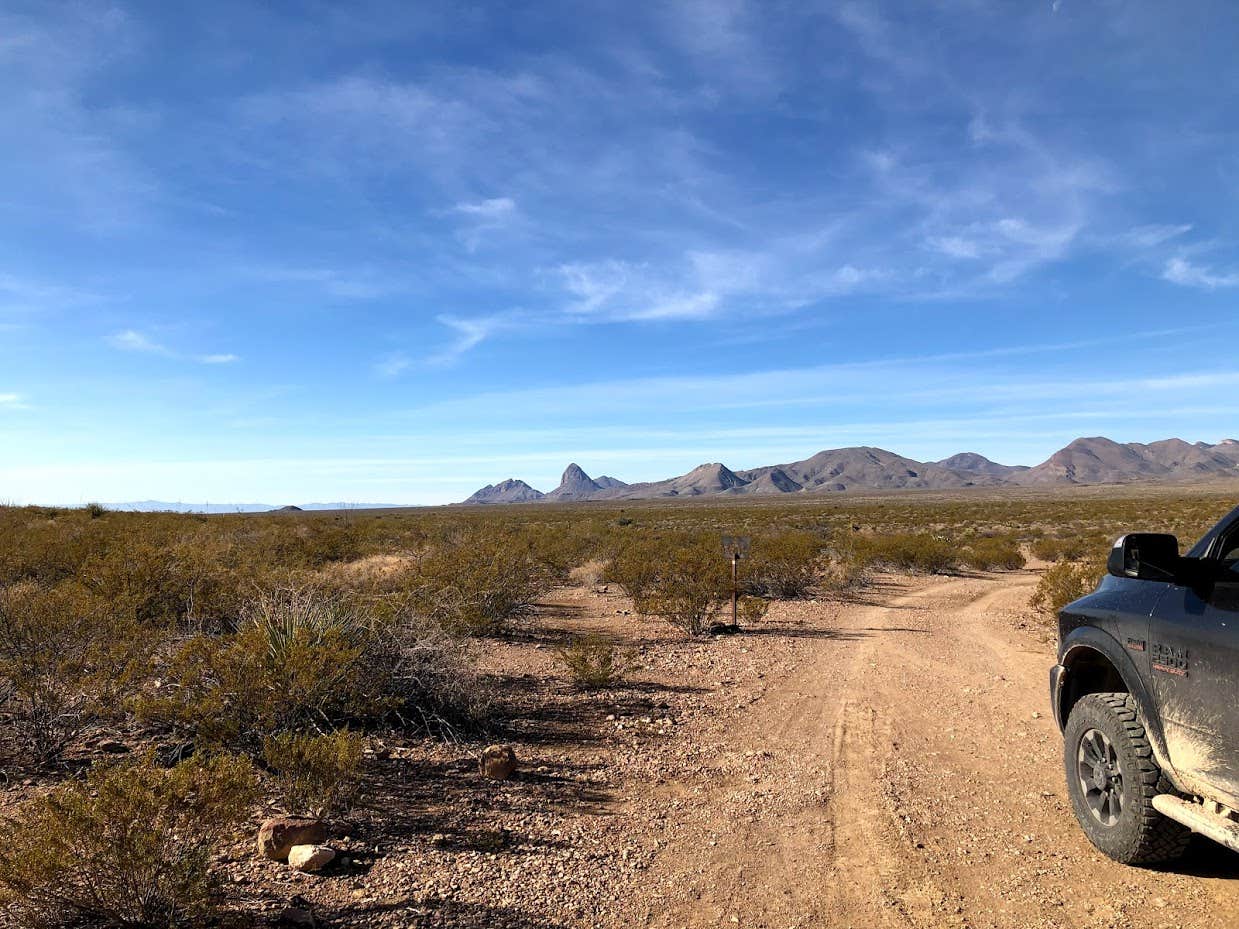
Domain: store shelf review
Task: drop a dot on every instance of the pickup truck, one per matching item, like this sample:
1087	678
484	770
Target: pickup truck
1146	693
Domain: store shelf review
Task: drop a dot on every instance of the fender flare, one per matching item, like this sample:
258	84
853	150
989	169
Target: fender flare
1090	638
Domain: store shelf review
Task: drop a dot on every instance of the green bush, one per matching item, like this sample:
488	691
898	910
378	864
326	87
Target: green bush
129	846
593	662
993	554
66	661
1064	582
907	551
296	662
692	581
1052	549
316	774
785	565
752	609
475	587
634	566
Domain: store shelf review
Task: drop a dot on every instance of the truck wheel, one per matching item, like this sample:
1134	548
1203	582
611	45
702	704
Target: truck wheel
1112	779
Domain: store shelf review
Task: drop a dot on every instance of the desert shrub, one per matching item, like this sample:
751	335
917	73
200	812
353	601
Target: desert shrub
907	551
1064	582
752	609
993	554
692	581
429	678
95	510
129	846
634	566
785	565
296	662
593	661
1051	549
316	774
477	586
66	660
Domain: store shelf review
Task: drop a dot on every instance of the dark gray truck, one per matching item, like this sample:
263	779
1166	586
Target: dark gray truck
1146	692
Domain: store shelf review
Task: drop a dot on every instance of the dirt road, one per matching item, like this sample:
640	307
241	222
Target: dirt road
907	774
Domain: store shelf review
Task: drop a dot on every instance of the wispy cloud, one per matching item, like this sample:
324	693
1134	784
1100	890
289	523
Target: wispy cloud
483	217
470	333
12	402
1179	270
131	340
392	365
494	209
1151	236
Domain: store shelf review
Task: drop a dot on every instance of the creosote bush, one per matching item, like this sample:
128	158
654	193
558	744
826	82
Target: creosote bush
66	660
751	610
593	661
476	586
691	583
786	565
316	774
907	551
1064	582
993	554
129	846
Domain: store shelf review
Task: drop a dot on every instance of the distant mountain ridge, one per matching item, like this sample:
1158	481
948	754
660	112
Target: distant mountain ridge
164	506
1094	460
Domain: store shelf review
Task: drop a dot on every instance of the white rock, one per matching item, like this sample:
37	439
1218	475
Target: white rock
310	858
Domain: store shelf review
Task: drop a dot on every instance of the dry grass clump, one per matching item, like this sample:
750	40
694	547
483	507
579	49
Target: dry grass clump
129	846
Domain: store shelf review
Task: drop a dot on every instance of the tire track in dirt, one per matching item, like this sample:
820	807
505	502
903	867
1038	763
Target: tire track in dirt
907	774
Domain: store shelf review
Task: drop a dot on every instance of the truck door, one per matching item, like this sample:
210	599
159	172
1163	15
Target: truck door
1193	653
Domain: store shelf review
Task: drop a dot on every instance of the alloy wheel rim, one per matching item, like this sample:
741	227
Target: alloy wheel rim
1101	776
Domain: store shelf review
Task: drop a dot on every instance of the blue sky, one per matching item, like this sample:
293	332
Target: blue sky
391	252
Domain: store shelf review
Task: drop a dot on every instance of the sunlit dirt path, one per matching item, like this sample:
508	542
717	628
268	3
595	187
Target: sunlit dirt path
908	774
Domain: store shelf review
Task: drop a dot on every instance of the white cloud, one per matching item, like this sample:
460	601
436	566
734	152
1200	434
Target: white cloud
497	208
12	402
131	340
1183	272
1150	236
470	333
393	365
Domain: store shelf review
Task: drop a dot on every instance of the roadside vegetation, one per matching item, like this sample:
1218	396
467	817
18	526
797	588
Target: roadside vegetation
249	664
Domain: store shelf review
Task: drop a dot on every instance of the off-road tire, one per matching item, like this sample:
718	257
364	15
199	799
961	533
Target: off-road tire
1140	834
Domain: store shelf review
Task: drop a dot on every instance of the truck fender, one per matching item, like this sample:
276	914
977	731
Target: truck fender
1089	638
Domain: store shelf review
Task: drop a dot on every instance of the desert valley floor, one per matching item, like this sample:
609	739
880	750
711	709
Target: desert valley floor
883	759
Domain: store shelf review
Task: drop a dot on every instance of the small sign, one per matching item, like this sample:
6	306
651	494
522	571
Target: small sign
736	546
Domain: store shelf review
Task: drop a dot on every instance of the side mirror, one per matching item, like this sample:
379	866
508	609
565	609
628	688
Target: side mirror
1148	556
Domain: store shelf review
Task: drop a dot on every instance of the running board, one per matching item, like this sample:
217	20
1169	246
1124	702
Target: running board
1214	826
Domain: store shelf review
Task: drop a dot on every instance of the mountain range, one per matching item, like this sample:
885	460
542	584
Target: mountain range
164	506
1095	460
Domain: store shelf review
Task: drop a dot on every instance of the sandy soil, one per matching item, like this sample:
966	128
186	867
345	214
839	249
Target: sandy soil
907	774
882	761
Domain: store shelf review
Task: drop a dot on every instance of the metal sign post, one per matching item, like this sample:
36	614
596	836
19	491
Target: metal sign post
735	547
